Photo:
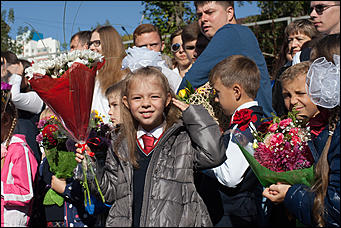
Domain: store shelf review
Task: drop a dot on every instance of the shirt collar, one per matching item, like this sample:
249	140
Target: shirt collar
156	132
245	105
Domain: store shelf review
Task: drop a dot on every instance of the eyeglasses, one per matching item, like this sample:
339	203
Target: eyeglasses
96	43
320	8
175	47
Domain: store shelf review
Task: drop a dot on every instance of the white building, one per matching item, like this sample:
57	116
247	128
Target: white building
38	50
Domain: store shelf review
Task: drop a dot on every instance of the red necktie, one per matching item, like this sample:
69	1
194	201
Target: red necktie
148	142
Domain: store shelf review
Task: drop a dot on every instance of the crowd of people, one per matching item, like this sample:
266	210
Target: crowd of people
168	163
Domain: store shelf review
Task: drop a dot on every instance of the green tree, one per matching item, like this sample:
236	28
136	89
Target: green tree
7	44
168	16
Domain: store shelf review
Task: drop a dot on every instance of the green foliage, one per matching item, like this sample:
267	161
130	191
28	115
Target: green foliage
168	16
6	42
52	197
62	163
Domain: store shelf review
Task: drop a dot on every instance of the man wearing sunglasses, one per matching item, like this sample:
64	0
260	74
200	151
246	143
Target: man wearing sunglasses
326	16
217	22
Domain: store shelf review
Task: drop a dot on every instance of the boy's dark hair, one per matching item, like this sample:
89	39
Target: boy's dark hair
83	36
145	28
237	69
190	32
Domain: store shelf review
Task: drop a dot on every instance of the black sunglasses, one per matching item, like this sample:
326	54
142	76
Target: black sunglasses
96	43
175	47
320	8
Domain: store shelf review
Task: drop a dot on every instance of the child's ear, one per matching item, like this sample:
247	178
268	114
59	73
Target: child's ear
237	91
125	101
168	99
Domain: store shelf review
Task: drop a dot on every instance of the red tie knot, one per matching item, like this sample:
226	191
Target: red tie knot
148	142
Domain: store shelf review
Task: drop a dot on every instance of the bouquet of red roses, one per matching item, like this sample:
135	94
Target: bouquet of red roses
66	85
278	151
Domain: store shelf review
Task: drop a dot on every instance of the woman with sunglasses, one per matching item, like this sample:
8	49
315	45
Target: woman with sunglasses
181	63
326	16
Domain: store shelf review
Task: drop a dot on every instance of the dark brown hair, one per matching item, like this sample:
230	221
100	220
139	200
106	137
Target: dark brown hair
9	116
190	32
237	69
326	47
83	36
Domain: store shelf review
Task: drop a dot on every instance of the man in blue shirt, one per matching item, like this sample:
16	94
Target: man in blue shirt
218	23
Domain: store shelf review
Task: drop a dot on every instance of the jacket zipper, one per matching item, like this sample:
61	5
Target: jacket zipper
146	192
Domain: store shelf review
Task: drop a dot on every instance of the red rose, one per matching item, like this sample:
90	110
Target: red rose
243	117
264	126
48	133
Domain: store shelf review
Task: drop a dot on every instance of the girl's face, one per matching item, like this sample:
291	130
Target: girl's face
294	94
114	105
95	43
147	101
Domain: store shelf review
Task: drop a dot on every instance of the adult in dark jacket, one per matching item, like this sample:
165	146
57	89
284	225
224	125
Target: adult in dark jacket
217	22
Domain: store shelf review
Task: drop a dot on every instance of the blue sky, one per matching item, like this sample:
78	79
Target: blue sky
47	16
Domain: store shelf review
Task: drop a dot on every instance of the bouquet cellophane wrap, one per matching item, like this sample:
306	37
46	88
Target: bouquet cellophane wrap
203	96
266	176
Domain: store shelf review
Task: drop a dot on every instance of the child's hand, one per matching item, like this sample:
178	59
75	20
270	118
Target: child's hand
181	105
276	192
79	153
58	184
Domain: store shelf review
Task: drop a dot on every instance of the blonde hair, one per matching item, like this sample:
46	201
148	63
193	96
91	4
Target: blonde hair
129	128
113	51
294	71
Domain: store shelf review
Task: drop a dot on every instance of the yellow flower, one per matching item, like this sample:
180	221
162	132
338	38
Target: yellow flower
182	93
201	90
255	145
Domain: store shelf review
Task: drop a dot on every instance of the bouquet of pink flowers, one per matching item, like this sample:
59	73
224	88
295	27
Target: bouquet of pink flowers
279	151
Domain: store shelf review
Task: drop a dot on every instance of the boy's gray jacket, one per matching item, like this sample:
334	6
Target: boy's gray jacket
170	197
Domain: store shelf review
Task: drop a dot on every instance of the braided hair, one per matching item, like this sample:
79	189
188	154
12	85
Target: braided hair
9	114
322	171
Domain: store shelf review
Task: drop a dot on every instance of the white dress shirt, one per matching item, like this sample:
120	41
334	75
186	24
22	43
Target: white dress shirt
156	133
231	172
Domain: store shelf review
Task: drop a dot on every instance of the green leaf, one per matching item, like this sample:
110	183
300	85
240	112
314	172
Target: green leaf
190	87
62	163
53	197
